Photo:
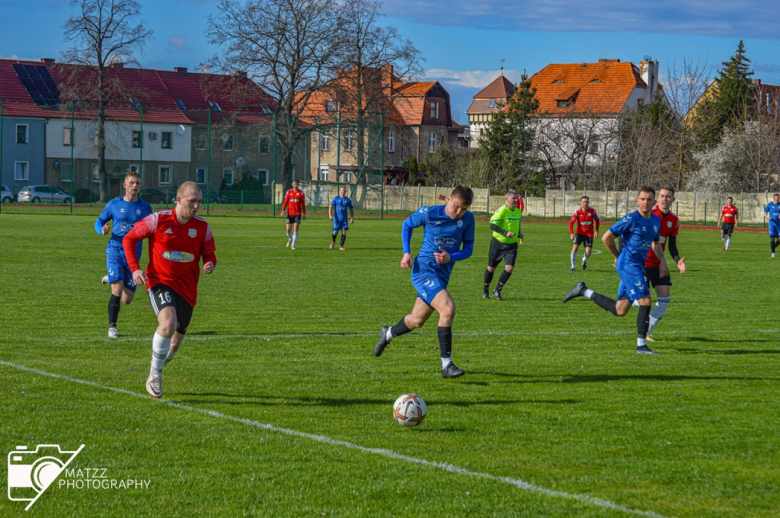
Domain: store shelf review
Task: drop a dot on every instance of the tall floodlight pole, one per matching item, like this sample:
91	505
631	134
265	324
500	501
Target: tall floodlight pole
208	162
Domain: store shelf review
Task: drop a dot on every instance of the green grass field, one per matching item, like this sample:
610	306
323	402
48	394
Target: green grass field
276	406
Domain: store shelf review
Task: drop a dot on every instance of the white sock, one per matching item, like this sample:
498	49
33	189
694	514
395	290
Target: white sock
171	354
445	362
289	235
573	259
294	238
585	258
723	238
588	293
658	312
641	342
160	347
389	334
728	243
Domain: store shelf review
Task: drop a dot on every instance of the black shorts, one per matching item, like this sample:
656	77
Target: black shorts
727	229
580	239
163	296
499	250
293	219
653	276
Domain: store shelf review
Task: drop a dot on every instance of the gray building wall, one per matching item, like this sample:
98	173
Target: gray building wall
34	152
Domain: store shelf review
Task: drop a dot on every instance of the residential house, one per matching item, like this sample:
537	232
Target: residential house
490	100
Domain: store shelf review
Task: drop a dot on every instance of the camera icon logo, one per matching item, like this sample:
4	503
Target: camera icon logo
31	472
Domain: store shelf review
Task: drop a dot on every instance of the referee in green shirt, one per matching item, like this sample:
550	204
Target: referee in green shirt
505	225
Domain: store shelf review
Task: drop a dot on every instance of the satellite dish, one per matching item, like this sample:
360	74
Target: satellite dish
240	161
225	137
181	129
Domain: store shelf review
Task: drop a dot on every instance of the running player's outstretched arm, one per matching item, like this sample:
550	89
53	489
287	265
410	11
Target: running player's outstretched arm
101	224
208	254
142	230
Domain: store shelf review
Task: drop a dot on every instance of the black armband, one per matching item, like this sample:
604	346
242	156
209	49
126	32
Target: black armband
496	228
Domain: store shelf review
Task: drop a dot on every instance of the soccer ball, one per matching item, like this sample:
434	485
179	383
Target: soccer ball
409	410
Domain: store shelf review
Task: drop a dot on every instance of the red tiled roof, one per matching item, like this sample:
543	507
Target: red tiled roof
500	88
600	88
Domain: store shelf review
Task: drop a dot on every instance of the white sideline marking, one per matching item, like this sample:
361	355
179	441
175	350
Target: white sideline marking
521	484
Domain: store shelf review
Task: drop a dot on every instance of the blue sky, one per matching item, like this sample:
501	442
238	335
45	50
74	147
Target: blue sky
463	41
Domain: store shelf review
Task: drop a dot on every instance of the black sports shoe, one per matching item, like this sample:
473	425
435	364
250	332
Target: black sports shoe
572	269
645	350
497	294
584	266
382	343
452	371
578	291
486	294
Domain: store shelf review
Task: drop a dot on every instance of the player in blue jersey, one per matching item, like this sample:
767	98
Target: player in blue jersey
772	214
447	228
337	212
640	232
125	212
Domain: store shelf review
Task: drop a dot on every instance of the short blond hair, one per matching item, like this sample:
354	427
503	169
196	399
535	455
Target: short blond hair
186	186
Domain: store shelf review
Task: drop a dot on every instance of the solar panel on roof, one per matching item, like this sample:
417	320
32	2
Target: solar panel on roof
39	84
180	103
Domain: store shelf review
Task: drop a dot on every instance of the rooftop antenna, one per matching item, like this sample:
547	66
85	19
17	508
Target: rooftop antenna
502	67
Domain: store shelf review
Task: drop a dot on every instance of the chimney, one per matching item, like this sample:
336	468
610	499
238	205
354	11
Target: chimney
118	66
240	73
387	80
648	71
602	60
757	82
47	61
180	70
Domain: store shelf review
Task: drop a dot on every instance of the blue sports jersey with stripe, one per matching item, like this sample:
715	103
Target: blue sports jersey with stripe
638	235
341	206
124	214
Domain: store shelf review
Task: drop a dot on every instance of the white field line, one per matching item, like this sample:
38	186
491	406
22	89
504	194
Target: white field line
285	336
521	484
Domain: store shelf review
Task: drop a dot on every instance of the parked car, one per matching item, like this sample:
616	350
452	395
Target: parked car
6	194
42	194
215	197
156	196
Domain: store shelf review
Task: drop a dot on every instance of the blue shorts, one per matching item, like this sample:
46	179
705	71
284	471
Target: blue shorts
340	225
118	270
633	284
774	228
428	281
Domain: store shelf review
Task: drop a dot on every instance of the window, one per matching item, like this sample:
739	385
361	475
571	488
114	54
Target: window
95	173
264	176
228	140
330	105
65	175
165	175
167	140
200	142
67	136
180	104
227	174
133	168
563	104
391	142
348	142
264	144
432	143
558	81
434	110
492	103
138	139
325	142
134	101
22	133
265	108
215	106
579	143
200	175
324	173
347	177
21	171
593	148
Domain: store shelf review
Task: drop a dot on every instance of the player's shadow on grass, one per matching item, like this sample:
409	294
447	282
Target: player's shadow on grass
730	352
603	378
721	341
202	333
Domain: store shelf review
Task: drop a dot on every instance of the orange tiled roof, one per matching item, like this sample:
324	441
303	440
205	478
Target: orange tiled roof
500	88
598	88
414	88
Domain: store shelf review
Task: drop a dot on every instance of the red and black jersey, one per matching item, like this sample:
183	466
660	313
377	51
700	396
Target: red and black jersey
520	203
175	251
586	220
729	214
295	201
670	225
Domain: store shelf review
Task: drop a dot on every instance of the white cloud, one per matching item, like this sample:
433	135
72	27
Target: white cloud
16	56
177	42
724	18
471	78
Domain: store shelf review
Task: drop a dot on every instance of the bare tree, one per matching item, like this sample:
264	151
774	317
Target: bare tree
289	47
104	33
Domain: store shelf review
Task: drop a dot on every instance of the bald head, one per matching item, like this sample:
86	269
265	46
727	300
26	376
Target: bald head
186	187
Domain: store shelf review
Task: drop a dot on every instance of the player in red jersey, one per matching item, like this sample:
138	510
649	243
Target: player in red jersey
670	225
178	239
730	217
295	205
586	218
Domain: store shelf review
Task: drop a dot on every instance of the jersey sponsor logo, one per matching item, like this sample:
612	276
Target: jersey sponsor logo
192	232
179	257
169	231
586	223
444	241
460	223
669	224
